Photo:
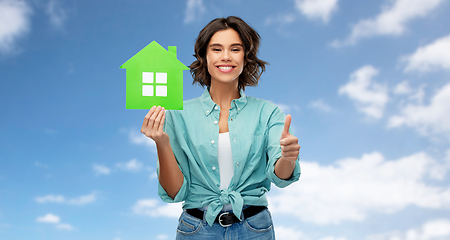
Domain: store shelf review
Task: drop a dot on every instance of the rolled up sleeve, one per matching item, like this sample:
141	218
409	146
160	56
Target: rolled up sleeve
273	150
182	161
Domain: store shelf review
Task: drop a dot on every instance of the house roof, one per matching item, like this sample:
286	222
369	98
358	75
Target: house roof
154	57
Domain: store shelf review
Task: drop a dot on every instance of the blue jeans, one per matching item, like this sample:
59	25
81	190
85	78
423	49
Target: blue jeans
259	226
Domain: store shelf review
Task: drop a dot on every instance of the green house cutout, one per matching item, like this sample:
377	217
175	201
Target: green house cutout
154	78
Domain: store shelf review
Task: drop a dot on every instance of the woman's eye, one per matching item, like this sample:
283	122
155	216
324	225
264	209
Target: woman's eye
216	49
236	50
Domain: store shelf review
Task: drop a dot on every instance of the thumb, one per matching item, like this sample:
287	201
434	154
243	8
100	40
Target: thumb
287	124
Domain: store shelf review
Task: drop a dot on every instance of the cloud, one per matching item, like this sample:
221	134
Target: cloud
317	9
437	229
162	236
402	88
82	200
431	119
281	19
434	56
138	138
53	219
133	165
153	208
65	226
194	9
49	218
350	189
56	13
292	233
369	96
391	21
320	105
101	170
14	23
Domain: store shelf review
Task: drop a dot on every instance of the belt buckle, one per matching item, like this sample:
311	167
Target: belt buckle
220	220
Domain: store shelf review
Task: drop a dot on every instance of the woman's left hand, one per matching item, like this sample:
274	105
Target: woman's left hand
289	143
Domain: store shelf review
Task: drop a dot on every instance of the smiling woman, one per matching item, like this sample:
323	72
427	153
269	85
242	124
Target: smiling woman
220	154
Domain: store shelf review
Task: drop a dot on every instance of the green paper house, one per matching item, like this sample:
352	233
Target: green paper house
154	78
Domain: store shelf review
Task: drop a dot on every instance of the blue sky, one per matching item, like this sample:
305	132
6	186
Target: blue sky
366	82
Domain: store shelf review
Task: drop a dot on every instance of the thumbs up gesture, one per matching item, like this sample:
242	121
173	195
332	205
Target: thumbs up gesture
289	143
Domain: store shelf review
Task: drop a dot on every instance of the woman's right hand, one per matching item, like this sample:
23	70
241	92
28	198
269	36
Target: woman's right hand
152	126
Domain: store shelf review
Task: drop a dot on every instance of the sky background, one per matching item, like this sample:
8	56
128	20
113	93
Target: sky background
366	82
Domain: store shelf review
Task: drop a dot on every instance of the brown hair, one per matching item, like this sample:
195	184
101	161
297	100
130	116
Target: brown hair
253	67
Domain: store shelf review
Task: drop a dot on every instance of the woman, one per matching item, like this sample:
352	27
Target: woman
221	153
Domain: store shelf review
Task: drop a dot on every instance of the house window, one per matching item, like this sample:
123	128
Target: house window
155	84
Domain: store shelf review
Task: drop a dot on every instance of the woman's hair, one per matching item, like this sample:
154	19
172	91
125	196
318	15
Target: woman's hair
253	67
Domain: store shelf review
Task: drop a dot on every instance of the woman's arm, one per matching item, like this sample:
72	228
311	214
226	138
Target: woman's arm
284	167
170	175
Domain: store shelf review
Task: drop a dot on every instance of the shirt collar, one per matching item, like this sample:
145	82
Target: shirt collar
208	104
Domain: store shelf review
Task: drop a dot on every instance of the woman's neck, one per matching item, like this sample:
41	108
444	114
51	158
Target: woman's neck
222	94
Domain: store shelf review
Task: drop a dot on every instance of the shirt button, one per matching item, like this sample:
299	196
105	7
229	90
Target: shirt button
213	168
216	107
207	111
237	164
212	141
215	122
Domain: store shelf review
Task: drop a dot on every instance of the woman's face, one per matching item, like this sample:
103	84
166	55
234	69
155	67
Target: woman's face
225	57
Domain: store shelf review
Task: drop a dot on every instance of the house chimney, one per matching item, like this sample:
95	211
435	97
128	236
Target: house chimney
173	49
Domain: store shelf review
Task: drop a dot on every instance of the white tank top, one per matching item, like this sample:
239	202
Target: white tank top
225	159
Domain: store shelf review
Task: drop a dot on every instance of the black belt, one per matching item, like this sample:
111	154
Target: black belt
227	218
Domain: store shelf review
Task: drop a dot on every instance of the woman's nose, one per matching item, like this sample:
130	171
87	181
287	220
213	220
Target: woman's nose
225	56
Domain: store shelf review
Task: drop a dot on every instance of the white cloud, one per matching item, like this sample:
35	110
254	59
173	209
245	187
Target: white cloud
65	226
82	200
194	9
317	9
14	23
288	233
154	208
101	170
49	218
292	233
431	57
51	198
432	119
53	219
438	229
56	13
369	96
391	21
162	236
133	165
281	19
402	88
138	138
352	188
320	105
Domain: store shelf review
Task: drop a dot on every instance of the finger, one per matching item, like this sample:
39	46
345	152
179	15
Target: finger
152	120
147	118
287	124
161	126
288	141
157	123
291	147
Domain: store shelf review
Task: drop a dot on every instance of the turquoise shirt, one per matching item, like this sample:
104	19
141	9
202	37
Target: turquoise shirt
255	128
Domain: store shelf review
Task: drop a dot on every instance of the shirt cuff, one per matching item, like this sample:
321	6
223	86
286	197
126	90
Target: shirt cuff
281	183
181	195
